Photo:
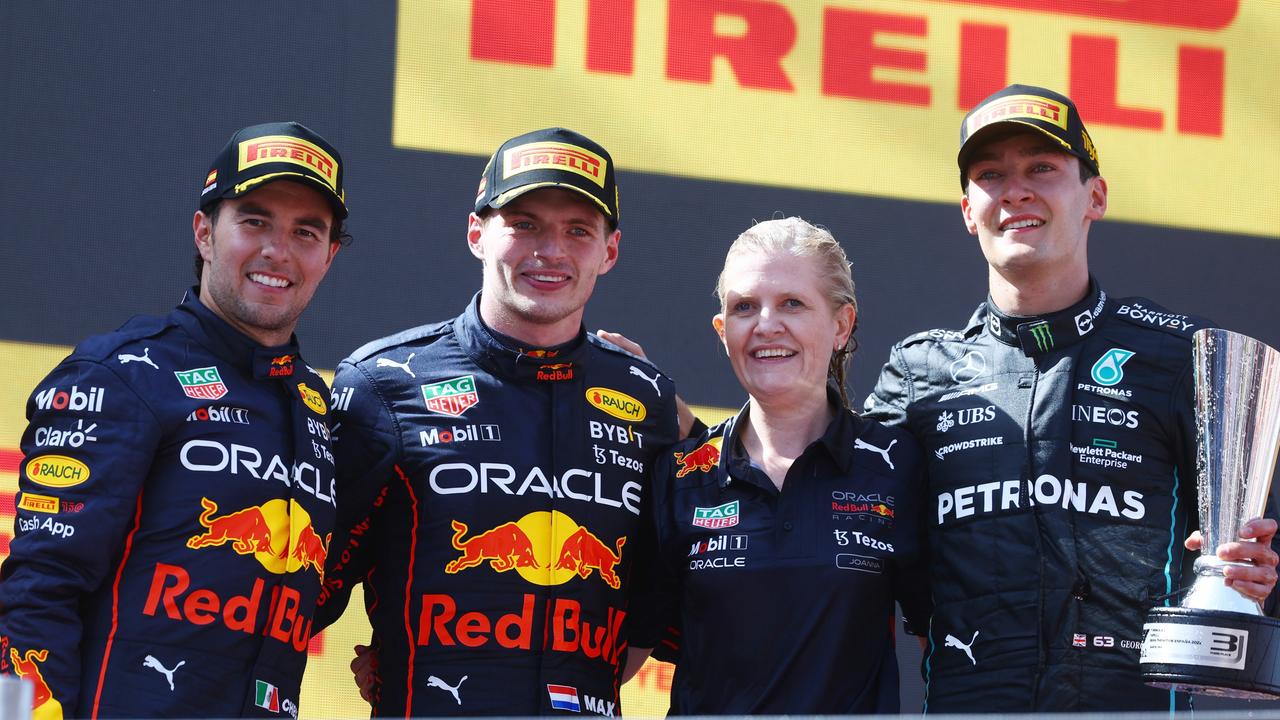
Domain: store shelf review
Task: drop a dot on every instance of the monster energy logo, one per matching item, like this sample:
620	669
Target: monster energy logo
1042	335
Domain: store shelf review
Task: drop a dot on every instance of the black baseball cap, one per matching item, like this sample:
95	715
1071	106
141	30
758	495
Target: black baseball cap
265	153
554	157
1039	108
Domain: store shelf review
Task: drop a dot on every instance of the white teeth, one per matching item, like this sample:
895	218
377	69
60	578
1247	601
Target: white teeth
546	278
268	280
773	352
1023	224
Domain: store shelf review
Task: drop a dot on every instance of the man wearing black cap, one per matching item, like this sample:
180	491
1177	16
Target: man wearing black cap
492	466
1059	434
177	489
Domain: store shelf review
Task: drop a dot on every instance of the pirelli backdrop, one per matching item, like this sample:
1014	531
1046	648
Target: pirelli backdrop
718	112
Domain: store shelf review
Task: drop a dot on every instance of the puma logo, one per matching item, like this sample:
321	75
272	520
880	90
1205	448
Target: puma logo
387	362
436	682
953	641
145	357
861	444
652	380
150	661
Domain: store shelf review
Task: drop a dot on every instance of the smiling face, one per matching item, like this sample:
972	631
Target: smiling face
780	328
542	253
264	257
1028	207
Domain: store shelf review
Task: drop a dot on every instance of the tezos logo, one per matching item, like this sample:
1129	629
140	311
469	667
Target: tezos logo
1109	369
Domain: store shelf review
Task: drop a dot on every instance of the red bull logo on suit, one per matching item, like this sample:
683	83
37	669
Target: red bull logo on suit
545	548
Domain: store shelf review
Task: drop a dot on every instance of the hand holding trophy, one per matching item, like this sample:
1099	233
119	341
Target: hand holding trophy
1218	642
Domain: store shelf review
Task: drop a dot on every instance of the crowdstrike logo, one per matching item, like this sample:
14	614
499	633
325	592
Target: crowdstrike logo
942	452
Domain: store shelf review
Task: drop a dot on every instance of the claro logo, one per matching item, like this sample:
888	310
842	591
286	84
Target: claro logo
617	404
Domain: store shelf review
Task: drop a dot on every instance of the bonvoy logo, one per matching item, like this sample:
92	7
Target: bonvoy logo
617	404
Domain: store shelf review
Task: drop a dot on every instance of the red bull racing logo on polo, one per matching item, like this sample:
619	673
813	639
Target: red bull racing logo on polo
545	548
201	383
451	397
718	517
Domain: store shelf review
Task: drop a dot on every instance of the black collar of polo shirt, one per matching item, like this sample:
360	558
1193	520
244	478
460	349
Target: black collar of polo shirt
838	439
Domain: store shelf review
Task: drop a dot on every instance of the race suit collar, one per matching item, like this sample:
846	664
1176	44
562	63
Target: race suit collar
1042	333
837	439
507	356
235	347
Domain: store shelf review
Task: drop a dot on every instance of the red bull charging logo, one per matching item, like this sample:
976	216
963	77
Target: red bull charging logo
545	548
278	534
45	705
703	459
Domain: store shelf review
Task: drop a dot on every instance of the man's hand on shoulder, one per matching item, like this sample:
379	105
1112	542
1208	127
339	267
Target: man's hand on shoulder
683	412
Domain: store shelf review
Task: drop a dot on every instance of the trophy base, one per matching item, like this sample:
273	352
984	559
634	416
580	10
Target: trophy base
1212	652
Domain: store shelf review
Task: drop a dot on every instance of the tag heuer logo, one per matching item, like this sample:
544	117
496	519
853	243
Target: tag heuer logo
202	383
451	397
715	518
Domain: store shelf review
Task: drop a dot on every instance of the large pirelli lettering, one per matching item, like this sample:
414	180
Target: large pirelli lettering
756	38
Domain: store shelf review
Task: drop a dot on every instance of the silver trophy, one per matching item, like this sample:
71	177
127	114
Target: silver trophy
1218	642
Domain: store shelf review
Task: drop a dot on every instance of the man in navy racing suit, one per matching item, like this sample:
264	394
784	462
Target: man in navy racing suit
1059	436
176	494
492	467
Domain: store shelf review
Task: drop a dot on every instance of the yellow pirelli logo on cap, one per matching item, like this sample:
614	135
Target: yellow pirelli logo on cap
38	503
1032	107
286	149
554	156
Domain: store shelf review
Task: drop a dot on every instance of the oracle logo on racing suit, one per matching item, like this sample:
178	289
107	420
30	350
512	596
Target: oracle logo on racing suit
998	496
441	623
213	456
575	484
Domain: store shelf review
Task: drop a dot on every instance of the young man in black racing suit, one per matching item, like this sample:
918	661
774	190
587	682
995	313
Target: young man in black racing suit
1060	441
176	494
493	466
